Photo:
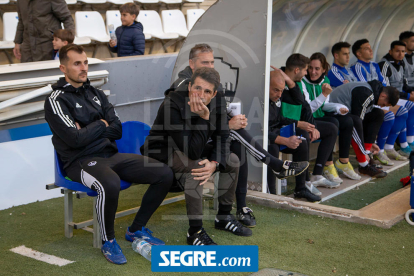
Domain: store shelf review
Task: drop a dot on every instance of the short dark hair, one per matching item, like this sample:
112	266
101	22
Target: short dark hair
336	49
357	45
392	93
321	57
406	35
200	48
130	8
64	35
208	74
296	61
63	52
397	43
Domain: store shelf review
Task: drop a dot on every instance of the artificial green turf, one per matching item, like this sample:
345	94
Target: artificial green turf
283	238
370	192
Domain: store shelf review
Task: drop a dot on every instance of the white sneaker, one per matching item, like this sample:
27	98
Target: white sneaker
312	188
319	180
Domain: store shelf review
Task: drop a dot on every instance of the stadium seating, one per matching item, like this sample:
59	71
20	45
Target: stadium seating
152	25
192	16
113	17
147	1
91	24
71	2
10	20
119	2
92	1
171	1
173	21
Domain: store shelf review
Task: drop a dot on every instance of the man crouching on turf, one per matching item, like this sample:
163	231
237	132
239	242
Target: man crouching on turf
188	118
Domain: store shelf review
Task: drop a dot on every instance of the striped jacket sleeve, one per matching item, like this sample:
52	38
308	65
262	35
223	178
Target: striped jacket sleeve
335	77
381	77
362	100
385	71
359	72
63	124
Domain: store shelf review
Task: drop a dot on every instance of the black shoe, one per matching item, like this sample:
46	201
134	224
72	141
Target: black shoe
372	171
305	193
291	169
245	216
231	224
200	238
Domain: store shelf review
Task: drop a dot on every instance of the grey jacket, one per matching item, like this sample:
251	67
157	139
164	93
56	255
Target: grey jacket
358	97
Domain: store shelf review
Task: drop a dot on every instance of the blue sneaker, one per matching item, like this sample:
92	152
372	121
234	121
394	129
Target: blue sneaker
411	145
113	253
144	234
405	151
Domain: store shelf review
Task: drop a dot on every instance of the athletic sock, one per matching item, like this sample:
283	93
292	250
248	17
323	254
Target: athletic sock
224	210
195	226
385	129
399	126
135	227
359	155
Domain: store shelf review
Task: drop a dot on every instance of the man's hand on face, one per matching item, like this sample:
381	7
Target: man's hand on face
198	107
203	174
238	122
288	80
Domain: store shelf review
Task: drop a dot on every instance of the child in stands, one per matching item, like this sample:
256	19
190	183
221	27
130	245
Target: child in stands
130	39
61	38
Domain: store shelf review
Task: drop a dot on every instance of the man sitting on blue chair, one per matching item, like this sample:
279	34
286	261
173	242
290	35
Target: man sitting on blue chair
85	126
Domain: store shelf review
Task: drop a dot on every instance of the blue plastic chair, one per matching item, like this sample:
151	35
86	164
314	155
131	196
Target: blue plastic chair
133	137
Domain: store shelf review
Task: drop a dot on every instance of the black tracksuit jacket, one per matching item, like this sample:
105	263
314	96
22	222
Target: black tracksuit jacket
85	105
177	128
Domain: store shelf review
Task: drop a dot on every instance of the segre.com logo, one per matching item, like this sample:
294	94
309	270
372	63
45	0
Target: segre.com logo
214	258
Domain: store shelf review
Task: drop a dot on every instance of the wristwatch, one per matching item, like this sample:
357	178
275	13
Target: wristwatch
217	165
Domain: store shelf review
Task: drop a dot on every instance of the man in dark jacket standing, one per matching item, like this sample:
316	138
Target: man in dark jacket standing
187	119
85	126
38	19
130	39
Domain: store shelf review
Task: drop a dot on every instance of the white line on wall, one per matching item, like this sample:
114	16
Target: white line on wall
50	259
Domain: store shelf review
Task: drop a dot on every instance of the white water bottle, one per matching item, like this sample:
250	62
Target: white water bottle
112	32
143	248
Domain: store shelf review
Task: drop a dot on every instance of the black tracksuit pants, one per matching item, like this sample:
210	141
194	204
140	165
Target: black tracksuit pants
241	142
104	174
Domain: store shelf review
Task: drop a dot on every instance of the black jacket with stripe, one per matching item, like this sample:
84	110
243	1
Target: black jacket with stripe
176	128
85	105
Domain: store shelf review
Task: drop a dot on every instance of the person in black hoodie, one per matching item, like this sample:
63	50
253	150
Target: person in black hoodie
201	55
85	126
130	39
188	118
